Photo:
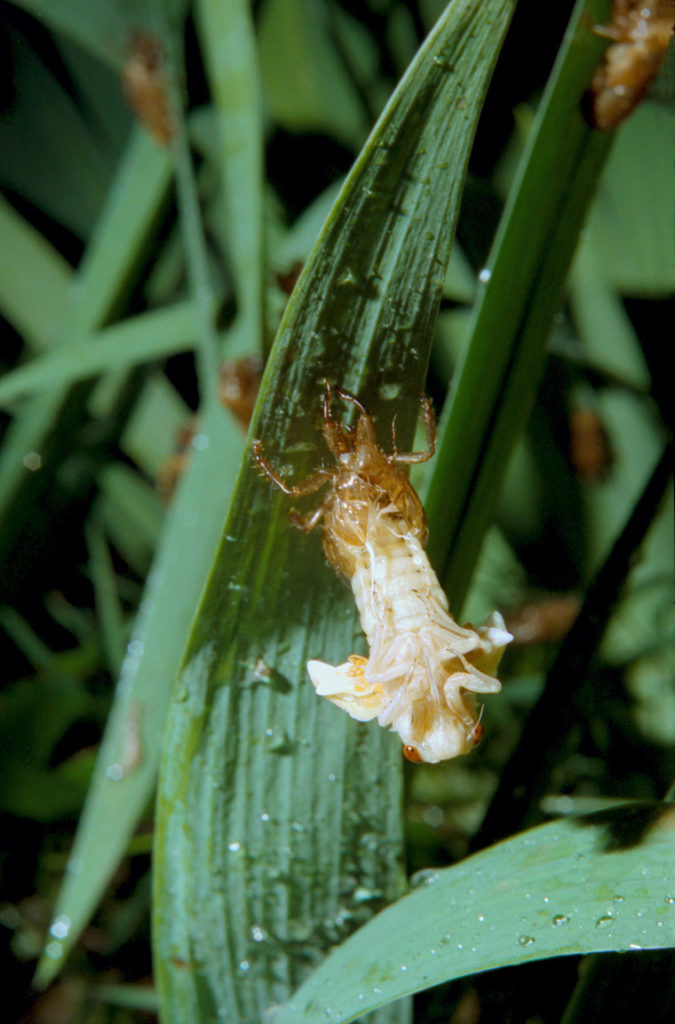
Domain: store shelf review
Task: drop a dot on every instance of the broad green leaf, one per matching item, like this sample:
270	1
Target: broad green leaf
279	825
601	882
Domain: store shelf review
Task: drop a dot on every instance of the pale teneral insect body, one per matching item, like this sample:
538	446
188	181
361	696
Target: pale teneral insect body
424	670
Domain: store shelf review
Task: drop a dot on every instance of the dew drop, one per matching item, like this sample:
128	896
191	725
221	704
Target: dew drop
427	876
347	277
54	950
244	965
634	945
200	442
32	461
605	919
559	920
484	275
525	940
364	895
60	926
619	899
257	933
669	900
388	392
233	847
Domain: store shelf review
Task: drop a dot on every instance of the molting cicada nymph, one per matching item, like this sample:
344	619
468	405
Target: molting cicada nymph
424	670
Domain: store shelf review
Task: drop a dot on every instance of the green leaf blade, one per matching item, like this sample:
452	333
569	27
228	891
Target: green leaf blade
599	883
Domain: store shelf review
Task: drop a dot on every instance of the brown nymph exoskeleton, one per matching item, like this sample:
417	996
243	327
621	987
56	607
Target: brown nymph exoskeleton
238	385
640	32
423	669
145	86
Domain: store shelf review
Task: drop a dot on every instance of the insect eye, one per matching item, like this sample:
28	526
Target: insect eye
477	734
412	754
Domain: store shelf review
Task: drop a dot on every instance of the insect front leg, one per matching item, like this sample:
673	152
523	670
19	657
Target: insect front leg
308	486
406	458
347	397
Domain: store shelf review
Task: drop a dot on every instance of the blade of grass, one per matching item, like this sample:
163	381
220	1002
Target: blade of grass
306	85
135	197
279	825
138	339
108	606
100	26
601	882
33	302
132	514
635	248
119	794
48	152
496	382
46	426
126	766
228	45
549	727
155	425
192	232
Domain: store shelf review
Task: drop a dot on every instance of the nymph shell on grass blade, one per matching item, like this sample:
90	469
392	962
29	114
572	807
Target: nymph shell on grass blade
424	669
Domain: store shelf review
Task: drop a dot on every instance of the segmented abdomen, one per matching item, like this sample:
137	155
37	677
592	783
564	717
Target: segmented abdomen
394	586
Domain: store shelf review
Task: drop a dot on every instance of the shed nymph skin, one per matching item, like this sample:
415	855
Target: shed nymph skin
424	670
640	32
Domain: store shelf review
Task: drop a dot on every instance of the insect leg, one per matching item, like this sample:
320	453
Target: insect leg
307	523
308	486
346	397
430	430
